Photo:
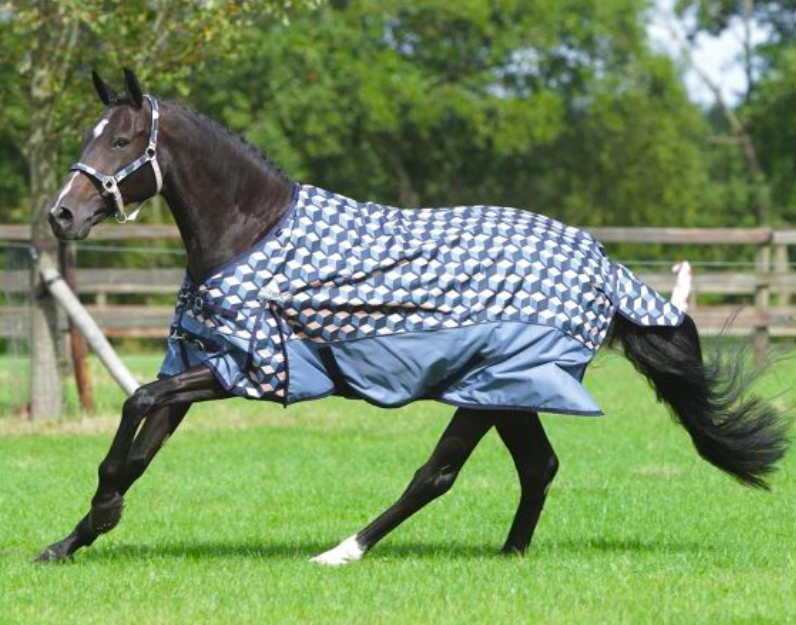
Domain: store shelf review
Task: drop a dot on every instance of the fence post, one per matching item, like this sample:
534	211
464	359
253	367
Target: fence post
45	382
781	270
762	301
77	342
46	394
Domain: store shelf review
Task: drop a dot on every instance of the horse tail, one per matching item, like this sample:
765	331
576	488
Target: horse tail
731	428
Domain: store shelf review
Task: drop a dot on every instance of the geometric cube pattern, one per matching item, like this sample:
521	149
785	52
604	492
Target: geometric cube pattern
643	305
336	270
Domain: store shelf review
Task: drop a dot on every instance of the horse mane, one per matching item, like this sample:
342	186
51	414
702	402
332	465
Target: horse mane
247	145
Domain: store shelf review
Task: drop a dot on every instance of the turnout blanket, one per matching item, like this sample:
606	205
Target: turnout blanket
475	306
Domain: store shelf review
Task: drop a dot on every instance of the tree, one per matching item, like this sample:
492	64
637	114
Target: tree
560	107
50	46
761	126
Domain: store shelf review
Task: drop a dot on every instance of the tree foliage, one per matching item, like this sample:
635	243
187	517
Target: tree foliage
561	107
751	158
50	46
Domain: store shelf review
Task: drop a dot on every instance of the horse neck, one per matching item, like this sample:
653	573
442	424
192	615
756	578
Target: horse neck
224	196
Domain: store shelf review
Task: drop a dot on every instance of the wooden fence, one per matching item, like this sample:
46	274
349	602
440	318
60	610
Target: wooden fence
769	287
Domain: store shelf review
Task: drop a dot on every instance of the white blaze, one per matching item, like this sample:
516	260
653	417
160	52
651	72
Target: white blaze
100	127
63	192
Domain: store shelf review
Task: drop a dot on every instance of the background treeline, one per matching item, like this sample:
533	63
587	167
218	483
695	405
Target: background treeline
562	107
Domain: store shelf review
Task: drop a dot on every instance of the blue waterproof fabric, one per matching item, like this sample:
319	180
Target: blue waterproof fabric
474	306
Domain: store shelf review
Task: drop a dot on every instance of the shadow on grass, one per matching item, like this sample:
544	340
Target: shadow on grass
305	550
204	551
625	545
398	550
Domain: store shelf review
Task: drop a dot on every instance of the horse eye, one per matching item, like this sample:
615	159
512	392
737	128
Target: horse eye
120	142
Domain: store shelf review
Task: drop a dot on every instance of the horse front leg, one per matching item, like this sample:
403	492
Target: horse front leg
158	426
194	385
163	404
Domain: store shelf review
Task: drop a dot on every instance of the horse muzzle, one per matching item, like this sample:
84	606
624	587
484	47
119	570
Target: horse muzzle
63	226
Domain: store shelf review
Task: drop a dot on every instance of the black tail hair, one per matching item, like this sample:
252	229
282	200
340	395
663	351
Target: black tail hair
735	431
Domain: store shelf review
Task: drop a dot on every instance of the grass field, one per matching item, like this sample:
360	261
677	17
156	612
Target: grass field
637	529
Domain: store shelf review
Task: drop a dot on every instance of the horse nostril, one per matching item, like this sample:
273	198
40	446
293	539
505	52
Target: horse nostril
64	216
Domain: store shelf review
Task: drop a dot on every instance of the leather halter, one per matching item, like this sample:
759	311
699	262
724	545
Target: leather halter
110	182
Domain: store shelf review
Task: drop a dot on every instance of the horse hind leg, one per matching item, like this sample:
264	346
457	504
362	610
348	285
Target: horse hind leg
536	464
432	480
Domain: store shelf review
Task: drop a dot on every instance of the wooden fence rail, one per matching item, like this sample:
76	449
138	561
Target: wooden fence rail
675	236
764	294
115	302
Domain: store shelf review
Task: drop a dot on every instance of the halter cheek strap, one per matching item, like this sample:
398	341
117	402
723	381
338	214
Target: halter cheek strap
110	182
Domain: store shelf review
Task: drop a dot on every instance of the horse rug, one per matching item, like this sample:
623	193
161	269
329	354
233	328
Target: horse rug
474	306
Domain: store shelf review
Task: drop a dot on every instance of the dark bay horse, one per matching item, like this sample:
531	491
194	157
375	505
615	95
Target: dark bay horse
225	197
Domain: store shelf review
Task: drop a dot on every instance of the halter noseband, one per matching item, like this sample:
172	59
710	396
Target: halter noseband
110	183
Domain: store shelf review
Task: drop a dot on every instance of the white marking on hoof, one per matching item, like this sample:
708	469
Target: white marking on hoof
346	552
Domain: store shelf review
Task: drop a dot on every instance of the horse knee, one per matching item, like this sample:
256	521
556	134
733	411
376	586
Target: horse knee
431	482
134	410
138	404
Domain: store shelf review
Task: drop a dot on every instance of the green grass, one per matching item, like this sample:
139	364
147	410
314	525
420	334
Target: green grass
637	529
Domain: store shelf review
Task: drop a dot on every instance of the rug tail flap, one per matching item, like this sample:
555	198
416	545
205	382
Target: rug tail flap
641	304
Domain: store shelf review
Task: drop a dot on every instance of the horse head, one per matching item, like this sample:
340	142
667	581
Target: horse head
111	172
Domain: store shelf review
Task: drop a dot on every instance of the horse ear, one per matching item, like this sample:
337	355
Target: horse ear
104	92
133	88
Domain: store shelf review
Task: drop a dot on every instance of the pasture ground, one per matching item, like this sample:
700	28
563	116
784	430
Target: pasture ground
637	528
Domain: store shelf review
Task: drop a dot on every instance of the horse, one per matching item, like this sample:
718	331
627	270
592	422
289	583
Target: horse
495	311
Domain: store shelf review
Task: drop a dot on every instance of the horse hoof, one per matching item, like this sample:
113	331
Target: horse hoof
346	552
53	553
514	551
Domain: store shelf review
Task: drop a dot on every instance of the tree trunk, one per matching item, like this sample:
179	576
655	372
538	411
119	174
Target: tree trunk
45	383
77	342
407	196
